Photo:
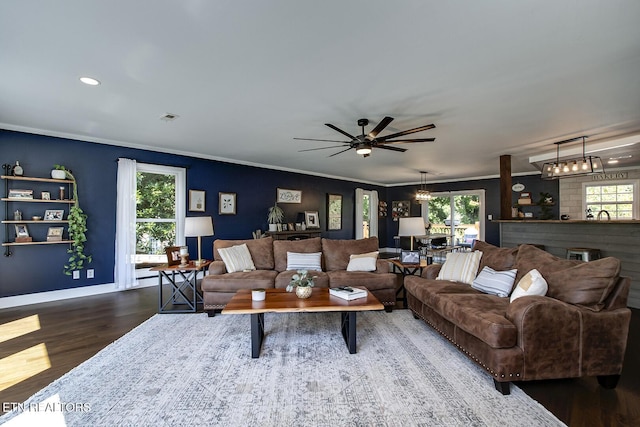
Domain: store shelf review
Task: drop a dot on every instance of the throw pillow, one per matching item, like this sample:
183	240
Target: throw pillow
237	258
497	258
531	283
460	267
363	262
304	261
495	282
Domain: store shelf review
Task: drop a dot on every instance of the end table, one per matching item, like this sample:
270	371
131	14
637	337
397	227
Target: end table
189	275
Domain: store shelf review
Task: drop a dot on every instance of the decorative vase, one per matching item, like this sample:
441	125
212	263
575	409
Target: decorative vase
58	174
303	291
273	227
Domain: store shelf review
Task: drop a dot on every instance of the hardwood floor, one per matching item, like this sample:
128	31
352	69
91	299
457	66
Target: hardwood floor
74	330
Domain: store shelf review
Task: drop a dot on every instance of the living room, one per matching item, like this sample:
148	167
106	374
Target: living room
237	136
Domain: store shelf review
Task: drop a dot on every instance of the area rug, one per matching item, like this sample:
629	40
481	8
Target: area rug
192	370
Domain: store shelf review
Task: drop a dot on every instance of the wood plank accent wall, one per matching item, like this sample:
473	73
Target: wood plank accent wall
619	240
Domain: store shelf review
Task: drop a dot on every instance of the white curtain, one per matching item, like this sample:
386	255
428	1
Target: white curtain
373	213
124	270
359	212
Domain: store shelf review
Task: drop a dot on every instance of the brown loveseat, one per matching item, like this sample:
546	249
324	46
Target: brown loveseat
578	329
270	259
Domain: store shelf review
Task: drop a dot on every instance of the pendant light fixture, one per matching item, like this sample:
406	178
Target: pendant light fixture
585	165
422	194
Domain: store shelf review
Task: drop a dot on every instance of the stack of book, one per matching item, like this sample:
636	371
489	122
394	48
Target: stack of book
20	194
348	293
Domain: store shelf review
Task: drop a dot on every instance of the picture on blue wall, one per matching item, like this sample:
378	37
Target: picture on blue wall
227	203
196	200
289	196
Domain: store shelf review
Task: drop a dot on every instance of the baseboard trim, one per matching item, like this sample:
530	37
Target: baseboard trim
62	294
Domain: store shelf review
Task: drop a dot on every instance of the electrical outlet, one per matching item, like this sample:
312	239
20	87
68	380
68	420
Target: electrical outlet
76	274
90	273
489	217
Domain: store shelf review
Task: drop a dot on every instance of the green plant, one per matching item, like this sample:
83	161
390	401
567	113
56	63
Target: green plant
545	200
302	279
77	230
276	214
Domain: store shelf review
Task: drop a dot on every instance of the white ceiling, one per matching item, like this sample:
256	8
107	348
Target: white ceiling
246	77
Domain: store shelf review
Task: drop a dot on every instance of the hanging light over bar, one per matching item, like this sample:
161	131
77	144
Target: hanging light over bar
585	165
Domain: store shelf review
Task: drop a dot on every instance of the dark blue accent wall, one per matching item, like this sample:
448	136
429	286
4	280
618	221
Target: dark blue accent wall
39	268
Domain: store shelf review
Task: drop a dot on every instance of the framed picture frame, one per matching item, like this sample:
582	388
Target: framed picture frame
22	230
410	257
196	200
399	208
288	196
226	203
45	195
312	219
54	234
173	255
54	215
334	211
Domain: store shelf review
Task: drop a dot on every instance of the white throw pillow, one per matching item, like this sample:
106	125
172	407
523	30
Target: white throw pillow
495	282
460	267
531	283
237	258
304	261
363	262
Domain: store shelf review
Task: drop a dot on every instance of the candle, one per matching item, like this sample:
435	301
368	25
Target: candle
184	250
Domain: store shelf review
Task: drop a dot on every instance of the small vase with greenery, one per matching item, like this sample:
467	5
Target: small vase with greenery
302	282
545	201
77	230
275	216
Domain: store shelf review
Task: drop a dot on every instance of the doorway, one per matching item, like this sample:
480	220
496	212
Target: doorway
458	215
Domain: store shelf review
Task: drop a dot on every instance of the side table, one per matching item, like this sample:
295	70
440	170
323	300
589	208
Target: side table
189	275
406	270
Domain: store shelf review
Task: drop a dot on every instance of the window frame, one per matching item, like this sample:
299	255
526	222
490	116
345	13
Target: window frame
180	175
635	210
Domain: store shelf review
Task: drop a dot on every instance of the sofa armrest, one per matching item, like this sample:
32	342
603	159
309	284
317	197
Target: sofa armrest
382	266
217	267
549	334
431	271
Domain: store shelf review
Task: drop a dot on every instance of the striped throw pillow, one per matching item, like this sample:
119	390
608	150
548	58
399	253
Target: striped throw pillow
495	282
237	258
304	261
460	267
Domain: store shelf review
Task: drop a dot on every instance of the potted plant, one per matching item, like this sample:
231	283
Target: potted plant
77	229
275	216
302	282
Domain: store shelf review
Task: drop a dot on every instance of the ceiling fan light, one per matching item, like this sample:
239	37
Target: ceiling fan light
363	149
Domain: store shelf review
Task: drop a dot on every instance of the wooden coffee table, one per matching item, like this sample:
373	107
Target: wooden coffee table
280	301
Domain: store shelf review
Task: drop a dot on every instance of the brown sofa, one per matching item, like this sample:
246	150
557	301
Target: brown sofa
578	329
270	259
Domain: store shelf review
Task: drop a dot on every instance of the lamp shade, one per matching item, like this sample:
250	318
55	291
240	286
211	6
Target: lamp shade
195	226
412	226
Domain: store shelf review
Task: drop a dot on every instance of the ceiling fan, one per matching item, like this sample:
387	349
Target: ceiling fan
365	143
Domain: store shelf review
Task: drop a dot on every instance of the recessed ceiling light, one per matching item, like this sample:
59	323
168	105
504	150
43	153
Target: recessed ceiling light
168	117
89	81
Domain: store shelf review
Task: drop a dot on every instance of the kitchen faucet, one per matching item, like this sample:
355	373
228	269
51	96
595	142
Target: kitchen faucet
603	212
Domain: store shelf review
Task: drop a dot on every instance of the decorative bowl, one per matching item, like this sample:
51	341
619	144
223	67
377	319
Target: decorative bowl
36	218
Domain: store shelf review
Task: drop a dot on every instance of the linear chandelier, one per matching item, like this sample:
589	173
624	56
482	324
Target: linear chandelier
422	194
585	165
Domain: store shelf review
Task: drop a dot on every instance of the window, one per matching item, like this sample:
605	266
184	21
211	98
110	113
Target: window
160	211
619	199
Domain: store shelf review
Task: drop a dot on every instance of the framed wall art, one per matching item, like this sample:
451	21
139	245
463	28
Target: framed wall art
196	200
226	203
311	219
289	196
54	215
334	211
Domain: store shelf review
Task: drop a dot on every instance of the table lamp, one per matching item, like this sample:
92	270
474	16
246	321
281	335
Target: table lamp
198	226
411	226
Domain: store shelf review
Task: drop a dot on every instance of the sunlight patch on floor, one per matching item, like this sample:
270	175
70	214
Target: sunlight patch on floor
19	327
23	365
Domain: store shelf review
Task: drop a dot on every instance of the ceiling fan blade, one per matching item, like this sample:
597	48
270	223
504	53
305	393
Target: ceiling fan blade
337	129
340	152
385	147
322	140
321	148
380	126
408	140
406	132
